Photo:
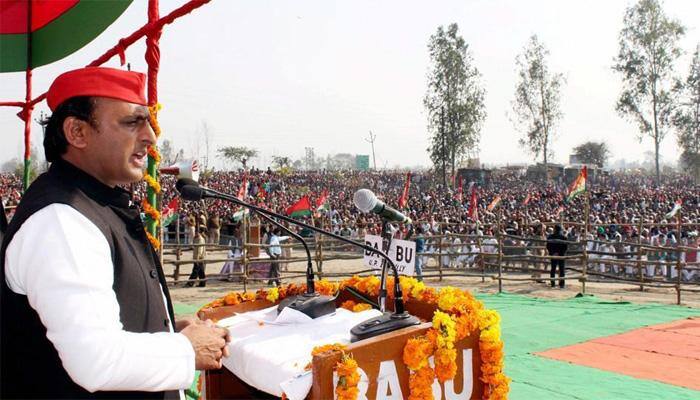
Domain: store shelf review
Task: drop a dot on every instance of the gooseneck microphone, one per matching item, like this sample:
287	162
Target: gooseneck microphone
367	202
310	303
387	322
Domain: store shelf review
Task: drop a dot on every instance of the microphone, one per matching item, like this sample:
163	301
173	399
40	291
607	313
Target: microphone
310	303
366	201
387	322
188	169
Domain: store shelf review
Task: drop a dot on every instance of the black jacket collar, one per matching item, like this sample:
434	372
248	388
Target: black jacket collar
90	185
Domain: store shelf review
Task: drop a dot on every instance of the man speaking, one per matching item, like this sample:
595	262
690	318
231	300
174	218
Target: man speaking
85	309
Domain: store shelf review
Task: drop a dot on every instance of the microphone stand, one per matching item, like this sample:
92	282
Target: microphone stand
387	236
310	303
387	322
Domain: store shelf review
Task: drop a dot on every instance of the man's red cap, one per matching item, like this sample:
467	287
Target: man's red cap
100	82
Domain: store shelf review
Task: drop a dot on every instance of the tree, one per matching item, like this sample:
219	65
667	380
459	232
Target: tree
648	50
593	153
686	119
537	100
167	153
237	154
281	162
454	100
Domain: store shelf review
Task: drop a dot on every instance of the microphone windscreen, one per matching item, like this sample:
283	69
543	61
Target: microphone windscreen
191	193
185	182
364	200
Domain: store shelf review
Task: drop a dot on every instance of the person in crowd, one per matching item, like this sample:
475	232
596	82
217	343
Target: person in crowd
199	256
213	229
557	246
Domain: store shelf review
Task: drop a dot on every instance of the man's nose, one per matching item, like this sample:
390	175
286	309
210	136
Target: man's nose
148	135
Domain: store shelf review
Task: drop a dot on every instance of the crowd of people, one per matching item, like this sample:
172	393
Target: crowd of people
624	208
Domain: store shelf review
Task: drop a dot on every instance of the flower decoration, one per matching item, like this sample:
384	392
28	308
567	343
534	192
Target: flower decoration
458	316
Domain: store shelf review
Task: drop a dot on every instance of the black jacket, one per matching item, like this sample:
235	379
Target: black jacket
31	367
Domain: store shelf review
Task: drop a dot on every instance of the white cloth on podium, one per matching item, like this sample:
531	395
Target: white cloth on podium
269	349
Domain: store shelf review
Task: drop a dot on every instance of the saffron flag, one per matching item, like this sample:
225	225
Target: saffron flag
675	209
170	212
403	201
473	212
579	185
496	201
300	208
527	200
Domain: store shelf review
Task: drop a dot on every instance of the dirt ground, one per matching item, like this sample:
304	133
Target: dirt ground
196	296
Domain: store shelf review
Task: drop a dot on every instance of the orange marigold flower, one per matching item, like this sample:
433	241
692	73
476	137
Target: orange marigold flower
348	305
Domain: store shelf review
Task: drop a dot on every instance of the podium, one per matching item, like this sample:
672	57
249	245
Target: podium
378	356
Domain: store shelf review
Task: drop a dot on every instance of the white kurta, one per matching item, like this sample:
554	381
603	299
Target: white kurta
62	262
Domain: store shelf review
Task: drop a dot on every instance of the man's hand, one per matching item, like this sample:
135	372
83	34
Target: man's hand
183	323
209	344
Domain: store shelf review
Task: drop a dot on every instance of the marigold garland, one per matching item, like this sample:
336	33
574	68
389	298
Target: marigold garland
152	182
348	378
151	211
328	347
459	315
154	241
273	295
154	153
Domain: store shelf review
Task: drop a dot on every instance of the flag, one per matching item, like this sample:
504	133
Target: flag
321	202
238	215
169	213
403	201
675	209
494	203
262	193
300	208
459	196
579	185
527	200
473	205
243	190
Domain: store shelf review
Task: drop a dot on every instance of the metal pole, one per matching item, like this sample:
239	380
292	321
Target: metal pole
585	242
500	251
639	254
440	256
244	250
678	259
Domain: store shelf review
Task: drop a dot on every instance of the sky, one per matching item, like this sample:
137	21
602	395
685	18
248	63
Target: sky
279	76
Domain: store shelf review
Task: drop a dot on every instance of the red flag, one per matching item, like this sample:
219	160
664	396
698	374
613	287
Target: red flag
300	208
527	200
404	196
473	205
262	193
459	196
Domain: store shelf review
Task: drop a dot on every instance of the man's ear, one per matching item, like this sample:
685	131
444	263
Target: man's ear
76	132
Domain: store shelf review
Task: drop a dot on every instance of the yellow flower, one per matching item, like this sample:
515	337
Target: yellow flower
361	307
273	294
417	290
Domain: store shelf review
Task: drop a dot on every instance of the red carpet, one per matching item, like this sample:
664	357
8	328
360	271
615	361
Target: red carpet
668	353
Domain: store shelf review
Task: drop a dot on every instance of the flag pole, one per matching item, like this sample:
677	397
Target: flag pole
587	211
